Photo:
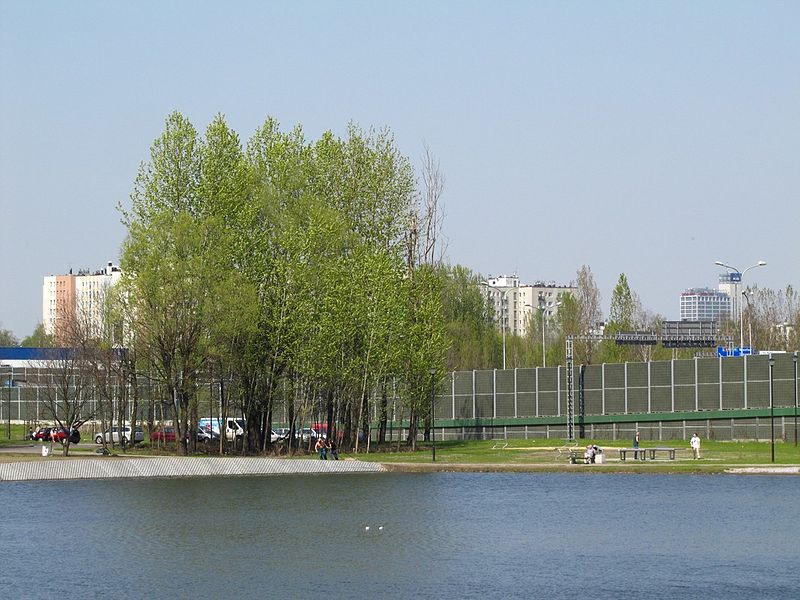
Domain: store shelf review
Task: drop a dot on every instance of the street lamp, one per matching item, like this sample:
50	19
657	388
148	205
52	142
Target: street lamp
771	406
502	318
749	320
433	415
543	310
741	274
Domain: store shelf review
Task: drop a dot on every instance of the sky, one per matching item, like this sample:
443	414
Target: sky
644	138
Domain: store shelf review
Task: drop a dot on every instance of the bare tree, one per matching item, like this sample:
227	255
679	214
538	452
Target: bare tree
71	392
432	217
589	313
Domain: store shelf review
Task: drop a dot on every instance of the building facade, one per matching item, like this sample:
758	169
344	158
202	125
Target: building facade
75	302
731	284
705	304
515	305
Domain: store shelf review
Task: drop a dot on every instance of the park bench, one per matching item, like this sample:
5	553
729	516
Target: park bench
576	457
641	453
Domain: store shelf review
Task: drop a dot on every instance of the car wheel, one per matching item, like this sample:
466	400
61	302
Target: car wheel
98	440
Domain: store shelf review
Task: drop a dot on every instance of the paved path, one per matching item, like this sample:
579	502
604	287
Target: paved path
112	468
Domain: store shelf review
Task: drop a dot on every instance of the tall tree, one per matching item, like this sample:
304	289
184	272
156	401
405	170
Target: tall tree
582	318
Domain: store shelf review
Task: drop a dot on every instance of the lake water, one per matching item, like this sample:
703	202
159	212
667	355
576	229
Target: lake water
456	535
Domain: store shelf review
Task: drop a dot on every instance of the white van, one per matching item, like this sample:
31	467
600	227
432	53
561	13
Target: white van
234	427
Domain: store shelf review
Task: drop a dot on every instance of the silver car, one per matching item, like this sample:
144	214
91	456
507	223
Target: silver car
113	435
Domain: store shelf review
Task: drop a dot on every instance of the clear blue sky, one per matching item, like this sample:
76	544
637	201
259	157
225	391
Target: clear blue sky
649	138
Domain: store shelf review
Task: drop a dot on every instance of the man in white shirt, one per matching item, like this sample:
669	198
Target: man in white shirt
695	445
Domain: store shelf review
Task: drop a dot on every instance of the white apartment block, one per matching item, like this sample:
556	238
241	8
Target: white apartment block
704	304
515	304
76	298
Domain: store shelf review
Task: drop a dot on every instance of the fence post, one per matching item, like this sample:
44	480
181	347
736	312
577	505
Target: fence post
473	393
453	392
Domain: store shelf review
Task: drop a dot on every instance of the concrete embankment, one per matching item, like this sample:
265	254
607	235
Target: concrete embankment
109	468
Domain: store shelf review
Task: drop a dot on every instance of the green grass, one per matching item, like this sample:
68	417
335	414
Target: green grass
556	452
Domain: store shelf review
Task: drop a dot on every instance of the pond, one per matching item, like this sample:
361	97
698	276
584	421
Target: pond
457	535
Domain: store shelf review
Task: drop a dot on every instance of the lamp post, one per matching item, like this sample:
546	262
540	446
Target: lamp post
543	309
749	320
433	416
771	407
741	274
502	318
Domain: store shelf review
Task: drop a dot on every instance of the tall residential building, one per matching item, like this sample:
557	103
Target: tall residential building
515	304
704	304
731	284
76	299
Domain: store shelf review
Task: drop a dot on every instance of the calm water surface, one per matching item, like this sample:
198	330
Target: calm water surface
444	536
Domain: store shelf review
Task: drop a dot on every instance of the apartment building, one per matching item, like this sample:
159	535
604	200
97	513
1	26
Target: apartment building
515	304
704	304
76	300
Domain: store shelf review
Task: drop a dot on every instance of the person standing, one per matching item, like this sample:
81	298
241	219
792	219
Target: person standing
694	443
333	450
321	448
635	446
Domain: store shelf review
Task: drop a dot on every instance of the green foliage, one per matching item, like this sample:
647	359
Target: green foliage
281	268
7	338
38	339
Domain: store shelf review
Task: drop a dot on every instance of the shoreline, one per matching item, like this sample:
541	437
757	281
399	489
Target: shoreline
154	467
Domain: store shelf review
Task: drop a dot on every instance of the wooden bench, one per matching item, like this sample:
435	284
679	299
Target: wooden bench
641	453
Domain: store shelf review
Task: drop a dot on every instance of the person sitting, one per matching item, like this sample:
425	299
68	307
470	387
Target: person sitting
588	456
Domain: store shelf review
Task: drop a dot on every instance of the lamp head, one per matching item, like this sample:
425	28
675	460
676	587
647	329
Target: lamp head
719	263
762	263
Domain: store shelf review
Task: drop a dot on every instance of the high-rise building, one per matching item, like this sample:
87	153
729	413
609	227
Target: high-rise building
516	304
730	284
75	302
704	304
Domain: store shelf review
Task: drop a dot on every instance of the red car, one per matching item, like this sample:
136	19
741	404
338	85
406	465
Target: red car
167	434
56	434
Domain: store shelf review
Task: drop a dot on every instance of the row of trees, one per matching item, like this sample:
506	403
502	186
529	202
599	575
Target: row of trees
771	321
285	270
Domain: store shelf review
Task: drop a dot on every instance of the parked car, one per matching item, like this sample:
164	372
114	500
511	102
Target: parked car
279	435
56	434
164	434
207	435
60	435
113	435
306	434
42	434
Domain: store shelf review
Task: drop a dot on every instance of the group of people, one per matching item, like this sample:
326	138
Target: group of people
325	448
590	455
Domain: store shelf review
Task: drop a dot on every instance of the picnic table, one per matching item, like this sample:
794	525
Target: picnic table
641	453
